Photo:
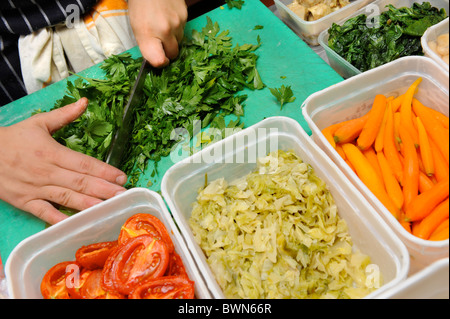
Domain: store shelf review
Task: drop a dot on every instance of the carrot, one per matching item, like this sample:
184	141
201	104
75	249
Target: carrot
441	233
351	130
397	102
425	183
390	150
435	130
406	111
340	151
441	168
391	184
372	127
372	158
329	131
422	205
379	140
429	224
369	177
410	169
441	118
397	139
425	149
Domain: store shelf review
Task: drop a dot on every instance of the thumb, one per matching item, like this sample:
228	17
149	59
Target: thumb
153	51
63	116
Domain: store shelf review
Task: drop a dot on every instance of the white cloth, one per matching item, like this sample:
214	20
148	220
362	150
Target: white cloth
48	55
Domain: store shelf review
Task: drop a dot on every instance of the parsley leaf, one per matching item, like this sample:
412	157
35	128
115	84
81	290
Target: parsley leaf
235	4
283	94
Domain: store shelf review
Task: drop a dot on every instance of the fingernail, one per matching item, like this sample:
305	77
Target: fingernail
121	180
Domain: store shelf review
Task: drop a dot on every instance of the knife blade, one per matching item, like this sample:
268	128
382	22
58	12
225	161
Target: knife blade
121	140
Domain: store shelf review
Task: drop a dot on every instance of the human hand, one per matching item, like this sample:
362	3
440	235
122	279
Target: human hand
37	172
158	27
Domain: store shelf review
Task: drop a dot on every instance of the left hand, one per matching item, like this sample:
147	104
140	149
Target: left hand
158	27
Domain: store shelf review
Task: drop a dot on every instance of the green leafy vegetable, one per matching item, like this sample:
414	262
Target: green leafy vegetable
200	85
396	33
283	94
235	4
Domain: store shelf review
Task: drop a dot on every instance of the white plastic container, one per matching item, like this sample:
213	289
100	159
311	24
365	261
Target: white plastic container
429	283
369	232
309	30
431	35
34	256
353	98
338	63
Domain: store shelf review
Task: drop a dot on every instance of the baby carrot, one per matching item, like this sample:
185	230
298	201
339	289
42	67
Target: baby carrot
429	224
390	150
441	233
406	111
425	149
340	151
435	130
379	141
393	188
372	158
369	177
397	139
410	169
373	124
351	130
422	205
329	131
397	102
425	183
441	168
441	118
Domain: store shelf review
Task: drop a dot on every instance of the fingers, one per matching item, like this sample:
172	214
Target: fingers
45	211
84	164
84	184
152	50
61	117
68	198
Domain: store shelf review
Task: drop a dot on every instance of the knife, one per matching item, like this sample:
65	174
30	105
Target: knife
121	140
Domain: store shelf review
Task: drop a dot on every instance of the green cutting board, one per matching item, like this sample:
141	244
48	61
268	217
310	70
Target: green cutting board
283	59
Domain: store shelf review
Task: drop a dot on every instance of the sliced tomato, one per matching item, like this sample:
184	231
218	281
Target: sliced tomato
94	256
77	284
176	266
93	289
54	284
145	224
174	287
138	260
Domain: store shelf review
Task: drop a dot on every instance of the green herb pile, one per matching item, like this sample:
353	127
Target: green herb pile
368	43
202	84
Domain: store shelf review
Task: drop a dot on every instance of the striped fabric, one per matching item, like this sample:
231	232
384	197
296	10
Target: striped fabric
22	17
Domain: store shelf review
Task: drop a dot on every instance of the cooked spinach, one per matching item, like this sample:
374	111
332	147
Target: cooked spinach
396	33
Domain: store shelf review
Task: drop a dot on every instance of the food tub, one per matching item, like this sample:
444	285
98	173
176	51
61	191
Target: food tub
353	98
309	30
231	158
338	63
429	283
431	35
34	256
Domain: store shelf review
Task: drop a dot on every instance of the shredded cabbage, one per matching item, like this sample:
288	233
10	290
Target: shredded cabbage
276	233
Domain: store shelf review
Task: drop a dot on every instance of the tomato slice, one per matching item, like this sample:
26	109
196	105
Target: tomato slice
93	289
176	266
173	287
145	224
94	256
56	280
138	260
74	289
